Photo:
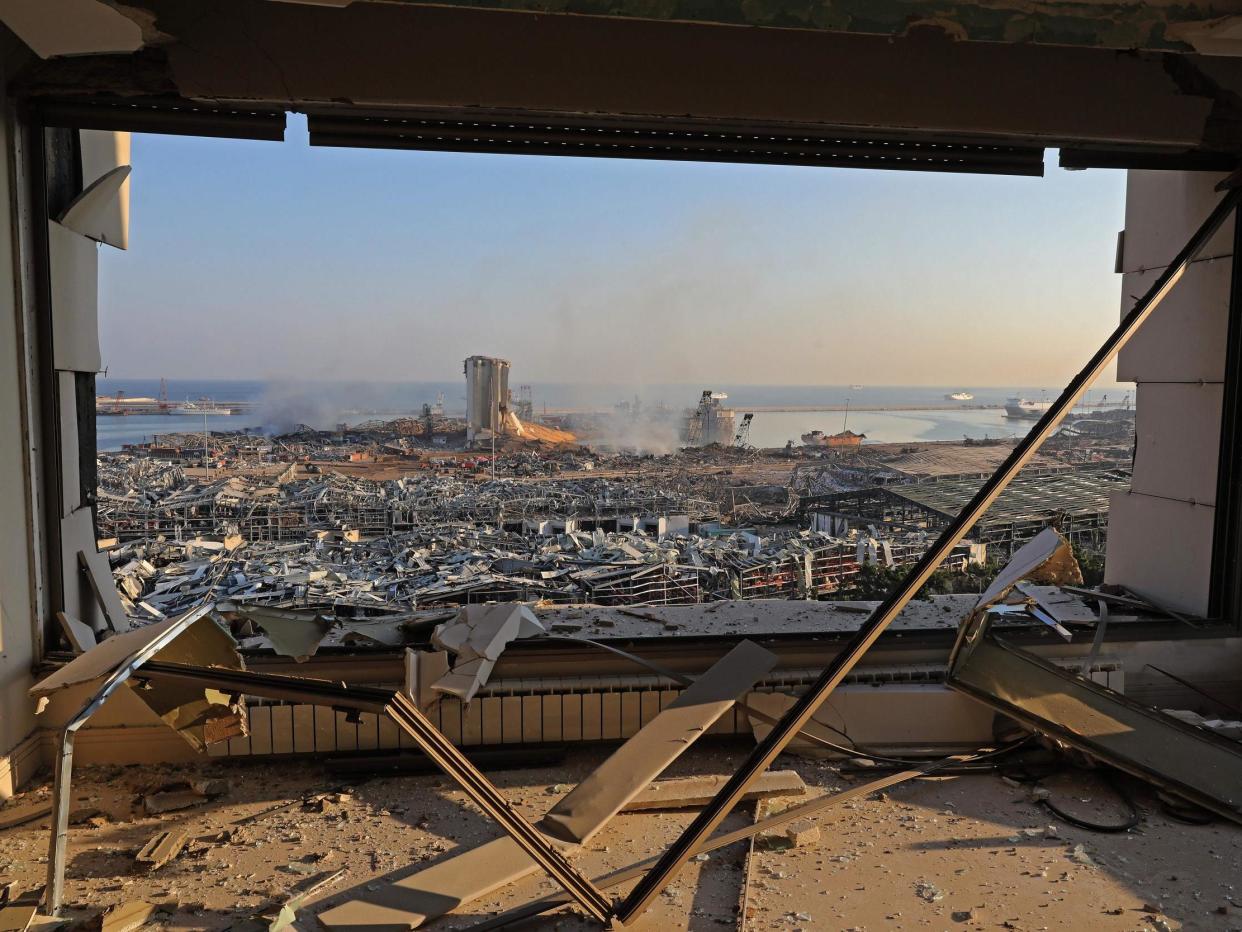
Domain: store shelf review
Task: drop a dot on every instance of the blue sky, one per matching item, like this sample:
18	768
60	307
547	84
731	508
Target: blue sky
260	259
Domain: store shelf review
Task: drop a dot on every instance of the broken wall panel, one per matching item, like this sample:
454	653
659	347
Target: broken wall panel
98	213
77	536
1177	438
104	151
1186	341
201	716
1179	576
75	300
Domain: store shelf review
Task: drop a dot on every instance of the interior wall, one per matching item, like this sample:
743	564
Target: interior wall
1161	530
17	628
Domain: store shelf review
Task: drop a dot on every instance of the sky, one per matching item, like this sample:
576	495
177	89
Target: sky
262	260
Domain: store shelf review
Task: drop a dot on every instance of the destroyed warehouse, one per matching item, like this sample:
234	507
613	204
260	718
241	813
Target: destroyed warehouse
475	672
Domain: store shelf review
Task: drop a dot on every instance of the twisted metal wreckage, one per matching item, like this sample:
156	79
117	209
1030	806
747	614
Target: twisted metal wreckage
1191	763
360	547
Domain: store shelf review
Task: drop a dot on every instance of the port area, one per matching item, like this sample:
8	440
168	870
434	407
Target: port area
330	519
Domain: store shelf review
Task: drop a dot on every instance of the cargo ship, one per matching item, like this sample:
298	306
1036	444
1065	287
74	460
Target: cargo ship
201	407
1024	409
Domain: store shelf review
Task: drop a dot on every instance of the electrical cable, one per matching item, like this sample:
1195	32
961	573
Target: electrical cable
1133	818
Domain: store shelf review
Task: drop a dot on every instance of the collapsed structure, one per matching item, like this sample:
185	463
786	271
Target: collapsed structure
1153	89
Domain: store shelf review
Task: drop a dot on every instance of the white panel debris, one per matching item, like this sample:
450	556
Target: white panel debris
98	212
75	299
477	638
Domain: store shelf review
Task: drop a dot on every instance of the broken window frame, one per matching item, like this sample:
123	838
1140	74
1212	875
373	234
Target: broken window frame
1225	592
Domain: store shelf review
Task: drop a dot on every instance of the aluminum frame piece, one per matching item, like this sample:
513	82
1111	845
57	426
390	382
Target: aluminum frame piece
62	779
402	710
436	746
766	751
1194	763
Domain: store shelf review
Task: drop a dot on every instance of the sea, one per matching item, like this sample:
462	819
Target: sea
282	406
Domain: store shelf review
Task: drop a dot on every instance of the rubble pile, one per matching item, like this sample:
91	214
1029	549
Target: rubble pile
457	564
260	508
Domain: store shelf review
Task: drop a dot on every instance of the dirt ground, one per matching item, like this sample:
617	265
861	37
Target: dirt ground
965	852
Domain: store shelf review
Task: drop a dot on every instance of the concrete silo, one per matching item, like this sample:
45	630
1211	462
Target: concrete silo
487	396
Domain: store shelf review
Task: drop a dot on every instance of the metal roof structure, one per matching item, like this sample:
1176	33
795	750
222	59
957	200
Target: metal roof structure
1076	501
1073	492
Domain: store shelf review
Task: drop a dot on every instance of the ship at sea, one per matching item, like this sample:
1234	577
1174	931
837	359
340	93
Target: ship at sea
201	407
959	396
1027	410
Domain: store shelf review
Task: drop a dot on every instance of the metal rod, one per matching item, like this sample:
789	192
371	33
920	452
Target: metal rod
481	790
801	712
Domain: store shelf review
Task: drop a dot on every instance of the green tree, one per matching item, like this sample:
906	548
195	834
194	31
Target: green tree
1091	564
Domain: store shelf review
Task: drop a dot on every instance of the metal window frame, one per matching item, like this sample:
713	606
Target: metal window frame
604	136
1225	589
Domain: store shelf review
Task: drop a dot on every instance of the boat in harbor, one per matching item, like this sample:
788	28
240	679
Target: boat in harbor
1022	408
204	406
959	396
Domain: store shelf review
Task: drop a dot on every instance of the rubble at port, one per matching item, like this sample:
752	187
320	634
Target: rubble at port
365	521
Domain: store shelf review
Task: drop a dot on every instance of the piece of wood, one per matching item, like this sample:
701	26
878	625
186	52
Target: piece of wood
79	634
476	872
162	848
34	813
604	792
123	918
16	918
691	792
800	811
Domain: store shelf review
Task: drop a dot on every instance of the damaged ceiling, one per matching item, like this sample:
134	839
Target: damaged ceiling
1102	76
1198	25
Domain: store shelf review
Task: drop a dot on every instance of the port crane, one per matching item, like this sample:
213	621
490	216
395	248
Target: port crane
742	439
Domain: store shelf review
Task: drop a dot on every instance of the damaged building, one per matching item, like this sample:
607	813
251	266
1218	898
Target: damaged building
320	700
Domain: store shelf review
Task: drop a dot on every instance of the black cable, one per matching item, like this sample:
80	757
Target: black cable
1131	820
1179	810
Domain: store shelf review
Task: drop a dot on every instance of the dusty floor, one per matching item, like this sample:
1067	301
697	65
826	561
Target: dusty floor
969	852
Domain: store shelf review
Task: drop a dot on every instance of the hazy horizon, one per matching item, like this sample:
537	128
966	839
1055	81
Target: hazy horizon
602	384
276	261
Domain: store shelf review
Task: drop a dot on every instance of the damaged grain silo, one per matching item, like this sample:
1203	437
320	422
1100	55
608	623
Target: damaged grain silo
487	396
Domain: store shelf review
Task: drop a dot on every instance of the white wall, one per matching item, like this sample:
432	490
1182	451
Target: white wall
1160	532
